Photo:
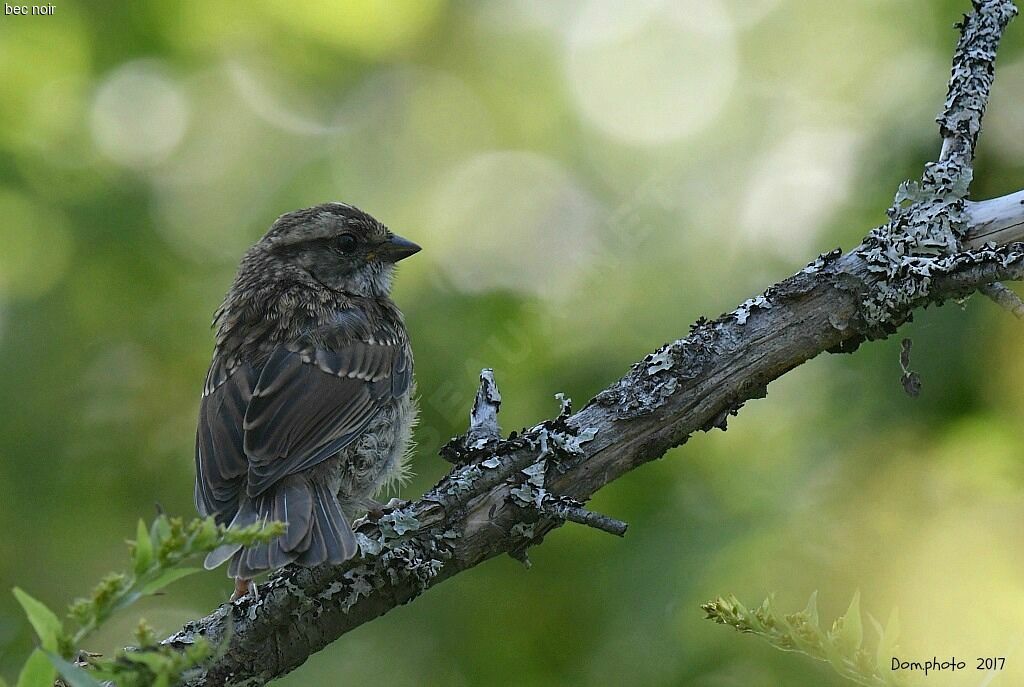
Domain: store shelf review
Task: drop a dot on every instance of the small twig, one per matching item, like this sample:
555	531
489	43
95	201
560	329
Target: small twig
483	422
483	419
1005	298
578	514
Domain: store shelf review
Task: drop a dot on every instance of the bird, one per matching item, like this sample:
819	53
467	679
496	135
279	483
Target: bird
308	406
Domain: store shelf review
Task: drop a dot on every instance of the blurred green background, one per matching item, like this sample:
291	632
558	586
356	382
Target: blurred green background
587	178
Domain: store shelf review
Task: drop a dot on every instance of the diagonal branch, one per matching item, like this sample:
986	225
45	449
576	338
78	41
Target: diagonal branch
498	499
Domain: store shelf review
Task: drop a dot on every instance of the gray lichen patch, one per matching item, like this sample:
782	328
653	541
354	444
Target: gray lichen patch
411	562
557	440
927	220
743	312
530	492
369	546
416	561
535	473
359	587
526	495
823	261
659	360
893	300
972	75
564	405
396	524
460	482
660	374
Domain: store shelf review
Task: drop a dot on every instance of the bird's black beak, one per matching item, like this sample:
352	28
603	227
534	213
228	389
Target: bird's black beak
396	248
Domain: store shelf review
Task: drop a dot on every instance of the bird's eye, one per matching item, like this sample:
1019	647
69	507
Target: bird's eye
346	243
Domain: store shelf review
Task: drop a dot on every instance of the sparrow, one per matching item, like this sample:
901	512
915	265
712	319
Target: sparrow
308	406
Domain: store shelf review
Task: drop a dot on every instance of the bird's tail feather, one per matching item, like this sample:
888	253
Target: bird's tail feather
317	530
330	537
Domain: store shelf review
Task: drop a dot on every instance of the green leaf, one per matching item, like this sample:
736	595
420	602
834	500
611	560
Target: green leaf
811	611
887	641
123	602
842	647
74	675
804	629
848	631
166	577
37	671
143	549
160	530
3	683
880	633
44	621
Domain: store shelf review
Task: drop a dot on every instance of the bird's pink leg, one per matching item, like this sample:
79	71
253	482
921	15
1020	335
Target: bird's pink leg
244	587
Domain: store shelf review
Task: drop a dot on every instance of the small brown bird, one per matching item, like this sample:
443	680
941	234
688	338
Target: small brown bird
308	405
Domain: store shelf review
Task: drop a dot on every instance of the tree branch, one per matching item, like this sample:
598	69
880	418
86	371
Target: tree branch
501	496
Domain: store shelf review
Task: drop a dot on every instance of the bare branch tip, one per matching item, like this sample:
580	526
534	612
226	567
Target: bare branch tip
483	419
1005	298
582	516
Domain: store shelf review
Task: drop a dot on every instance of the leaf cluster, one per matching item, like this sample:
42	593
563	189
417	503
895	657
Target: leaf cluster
159	555
842	646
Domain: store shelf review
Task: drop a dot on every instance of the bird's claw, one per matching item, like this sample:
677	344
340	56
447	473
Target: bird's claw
377	510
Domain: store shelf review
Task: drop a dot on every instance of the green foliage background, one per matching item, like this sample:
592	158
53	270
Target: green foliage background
587	178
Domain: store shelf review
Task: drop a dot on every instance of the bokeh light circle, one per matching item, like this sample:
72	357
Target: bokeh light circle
139	114
651	71
512	220
405	127
795	188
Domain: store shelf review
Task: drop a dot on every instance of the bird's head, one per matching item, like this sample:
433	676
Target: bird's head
339	246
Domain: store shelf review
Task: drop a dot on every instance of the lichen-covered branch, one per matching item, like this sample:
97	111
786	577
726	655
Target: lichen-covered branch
503	495
970	80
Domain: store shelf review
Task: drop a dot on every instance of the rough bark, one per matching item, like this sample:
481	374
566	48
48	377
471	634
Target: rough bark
505	494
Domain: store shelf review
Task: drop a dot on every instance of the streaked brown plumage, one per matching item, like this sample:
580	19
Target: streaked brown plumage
308	405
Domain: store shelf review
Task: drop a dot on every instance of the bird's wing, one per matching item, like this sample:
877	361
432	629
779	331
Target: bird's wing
221	464
317	395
